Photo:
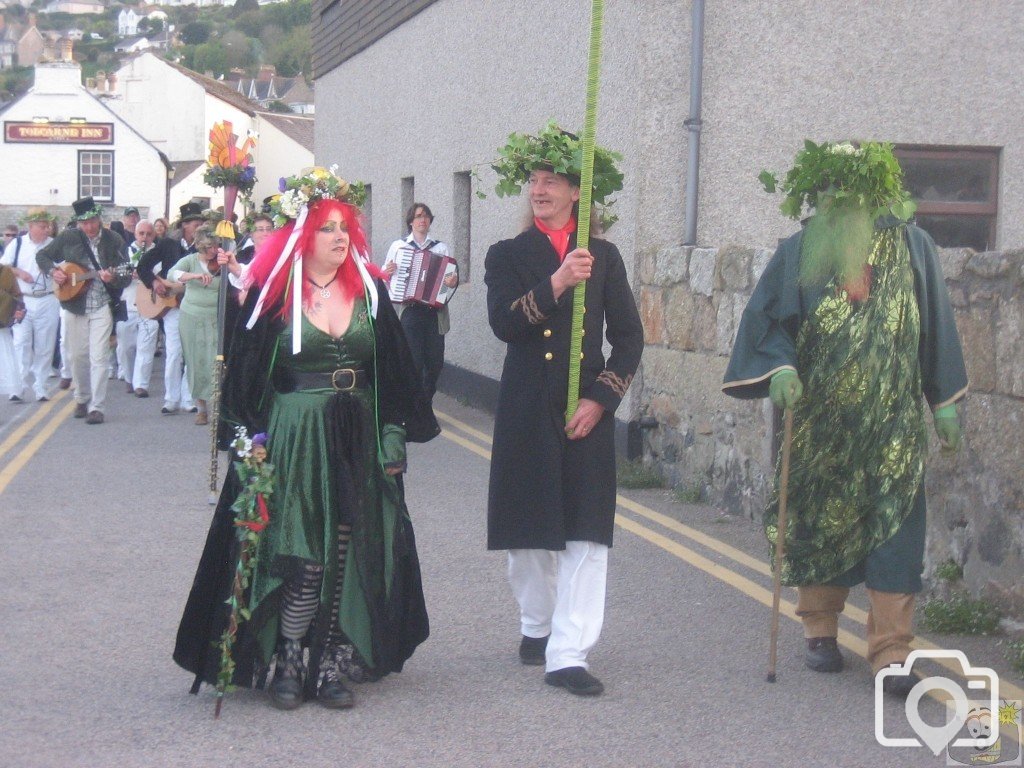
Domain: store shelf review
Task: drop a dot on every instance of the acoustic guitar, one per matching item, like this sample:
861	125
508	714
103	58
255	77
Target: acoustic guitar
151	305
79	277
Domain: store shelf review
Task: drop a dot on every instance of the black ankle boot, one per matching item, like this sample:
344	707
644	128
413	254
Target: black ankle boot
332	693
286	687
823	655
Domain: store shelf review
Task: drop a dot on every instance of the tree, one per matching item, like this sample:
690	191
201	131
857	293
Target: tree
278	106
195	33
291	54
244	6
210	57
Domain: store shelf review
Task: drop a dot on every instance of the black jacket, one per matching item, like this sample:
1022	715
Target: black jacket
544	489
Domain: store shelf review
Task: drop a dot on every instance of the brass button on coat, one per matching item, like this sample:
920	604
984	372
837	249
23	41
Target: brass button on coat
548	355
547	333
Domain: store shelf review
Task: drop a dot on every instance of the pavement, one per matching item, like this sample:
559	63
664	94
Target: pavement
103	526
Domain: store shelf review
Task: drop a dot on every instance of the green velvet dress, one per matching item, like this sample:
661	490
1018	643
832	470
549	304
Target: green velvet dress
305	510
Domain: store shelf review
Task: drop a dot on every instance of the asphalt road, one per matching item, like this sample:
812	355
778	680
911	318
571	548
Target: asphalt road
103	526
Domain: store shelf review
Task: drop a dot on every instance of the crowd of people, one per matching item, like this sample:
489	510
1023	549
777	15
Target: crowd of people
850	329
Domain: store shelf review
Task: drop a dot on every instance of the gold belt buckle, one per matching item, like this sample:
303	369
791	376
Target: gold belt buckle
334	379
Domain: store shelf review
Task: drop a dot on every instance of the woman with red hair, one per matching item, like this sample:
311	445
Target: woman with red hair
319	363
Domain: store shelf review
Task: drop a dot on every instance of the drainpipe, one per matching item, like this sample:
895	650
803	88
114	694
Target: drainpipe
693	122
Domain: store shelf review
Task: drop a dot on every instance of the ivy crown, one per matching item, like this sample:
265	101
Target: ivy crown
867	175
560	152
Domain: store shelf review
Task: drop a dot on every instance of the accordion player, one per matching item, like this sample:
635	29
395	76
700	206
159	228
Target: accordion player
420	277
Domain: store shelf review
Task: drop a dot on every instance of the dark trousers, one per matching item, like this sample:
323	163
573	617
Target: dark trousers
426	344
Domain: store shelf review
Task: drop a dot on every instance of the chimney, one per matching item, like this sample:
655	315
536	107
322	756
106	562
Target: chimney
31	20
112	82
267	72
101	81
66	46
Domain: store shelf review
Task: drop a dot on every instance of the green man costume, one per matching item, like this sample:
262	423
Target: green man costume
862	342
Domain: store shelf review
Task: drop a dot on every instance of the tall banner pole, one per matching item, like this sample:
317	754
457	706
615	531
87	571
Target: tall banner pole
586	189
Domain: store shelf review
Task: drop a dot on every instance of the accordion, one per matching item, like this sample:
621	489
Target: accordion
419	278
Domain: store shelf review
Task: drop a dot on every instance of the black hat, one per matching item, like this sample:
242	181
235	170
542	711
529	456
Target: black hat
191	212
86	208
130	210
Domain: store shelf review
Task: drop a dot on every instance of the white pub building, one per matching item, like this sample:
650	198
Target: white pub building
61	143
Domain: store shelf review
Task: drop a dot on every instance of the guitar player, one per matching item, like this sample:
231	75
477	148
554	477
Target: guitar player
90	246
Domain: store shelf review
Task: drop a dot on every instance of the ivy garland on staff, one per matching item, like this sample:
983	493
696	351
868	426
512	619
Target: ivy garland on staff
256	476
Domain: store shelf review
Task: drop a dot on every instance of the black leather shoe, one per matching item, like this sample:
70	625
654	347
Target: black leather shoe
94	417
575	680
899	686
823	655
81	410
531	650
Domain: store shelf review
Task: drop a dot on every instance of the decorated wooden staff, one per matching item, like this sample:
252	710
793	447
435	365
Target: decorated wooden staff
256	479
230	167
588	139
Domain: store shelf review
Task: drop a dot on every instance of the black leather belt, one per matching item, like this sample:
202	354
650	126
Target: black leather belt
340	380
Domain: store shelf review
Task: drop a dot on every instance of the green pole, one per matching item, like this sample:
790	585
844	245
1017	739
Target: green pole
586	190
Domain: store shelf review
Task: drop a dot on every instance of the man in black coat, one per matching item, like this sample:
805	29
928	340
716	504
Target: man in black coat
552	488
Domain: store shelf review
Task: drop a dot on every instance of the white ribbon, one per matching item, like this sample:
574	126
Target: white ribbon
371	286
281	261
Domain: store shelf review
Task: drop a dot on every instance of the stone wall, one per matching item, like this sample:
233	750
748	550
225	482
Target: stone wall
691	300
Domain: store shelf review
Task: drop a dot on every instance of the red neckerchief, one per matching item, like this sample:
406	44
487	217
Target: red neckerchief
559	237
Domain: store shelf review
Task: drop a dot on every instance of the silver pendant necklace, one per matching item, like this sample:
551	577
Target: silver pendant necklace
325	290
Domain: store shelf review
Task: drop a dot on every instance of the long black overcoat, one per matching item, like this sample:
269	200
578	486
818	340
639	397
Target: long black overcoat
545	489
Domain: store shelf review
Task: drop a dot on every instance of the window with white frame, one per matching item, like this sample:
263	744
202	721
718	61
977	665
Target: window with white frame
955	189
96	175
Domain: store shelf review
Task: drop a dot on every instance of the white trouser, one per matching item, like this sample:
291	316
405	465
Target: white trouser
145	348
34	339
89	345
65	355
127	338
561	594
175	385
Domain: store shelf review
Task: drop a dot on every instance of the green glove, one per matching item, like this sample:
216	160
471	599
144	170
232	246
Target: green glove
785	389
392	446
947	427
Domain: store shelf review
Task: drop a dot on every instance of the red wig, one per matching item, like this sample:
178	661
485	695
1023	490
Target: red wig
279	295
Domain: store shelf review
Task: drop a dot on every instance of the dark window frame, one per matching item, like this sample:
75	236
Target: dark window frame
81	191
989	209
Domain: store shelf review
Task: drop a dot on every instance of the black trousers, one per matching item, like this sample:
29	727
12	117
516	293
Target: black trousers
426	344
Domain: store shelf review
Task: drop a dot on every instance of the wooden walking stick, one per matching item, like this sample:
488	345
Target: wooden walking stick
218	375
780	543
586	190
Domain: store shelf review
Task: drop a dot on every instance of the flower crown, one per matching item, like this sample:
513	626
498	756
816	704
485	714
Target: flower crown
868	175
310	185
560	152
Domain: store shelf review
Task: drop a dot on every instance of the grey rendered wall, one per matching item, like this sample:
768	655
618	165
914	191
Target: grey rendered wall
909	71
438	95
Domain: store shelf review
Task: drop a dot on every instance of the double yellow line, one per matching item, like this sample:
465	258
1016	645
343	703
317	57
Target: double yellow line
474	440
21	458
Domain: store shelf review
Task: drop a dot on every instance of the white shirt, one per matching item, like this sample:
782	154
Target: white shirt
27	261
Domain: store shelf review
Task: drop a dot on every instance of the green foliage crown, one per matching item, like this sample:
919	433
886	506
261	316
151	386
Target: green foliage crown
867	175
554	150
